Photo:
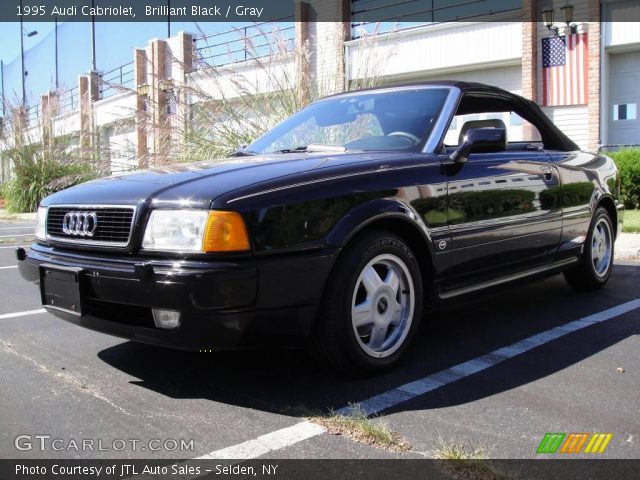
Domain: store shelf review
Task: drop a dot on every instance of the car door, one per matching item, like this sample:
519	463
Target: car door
503	213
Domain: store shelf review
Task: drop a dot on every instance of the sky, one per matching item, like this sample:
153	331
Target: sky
114	47
10	46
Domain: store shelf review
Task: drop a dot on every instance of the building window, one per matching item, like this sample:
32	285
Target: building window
625	111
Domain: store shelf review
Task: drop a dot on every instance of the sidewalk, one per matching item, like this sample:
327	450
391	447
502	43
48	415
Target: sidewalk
628	246
17	217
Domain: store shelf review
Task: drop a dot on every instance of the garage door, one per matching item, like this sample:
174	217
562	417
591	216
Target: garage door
624	99
509	78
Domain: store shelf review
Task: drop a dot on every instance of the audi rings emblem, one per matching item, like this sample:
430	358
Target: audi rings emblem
80	224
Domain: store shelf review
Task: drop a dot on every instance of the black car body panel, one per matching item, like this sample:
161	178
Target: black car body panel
499	216
225	303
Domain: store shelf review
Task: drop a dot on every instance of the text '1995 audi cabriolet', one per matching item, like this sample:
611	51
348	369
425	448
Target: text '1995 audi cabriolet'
335	230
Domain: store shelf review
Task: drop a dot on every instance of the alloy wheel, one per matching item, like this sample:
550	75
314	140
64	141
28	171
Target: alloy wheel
382	305
601	247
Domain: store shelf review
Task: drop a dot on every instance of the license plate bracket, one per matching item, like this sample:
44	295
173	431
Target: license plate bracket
60	288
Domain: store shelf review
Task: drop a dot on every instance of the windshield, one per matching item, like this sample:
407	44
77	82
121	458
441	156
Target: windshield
380	120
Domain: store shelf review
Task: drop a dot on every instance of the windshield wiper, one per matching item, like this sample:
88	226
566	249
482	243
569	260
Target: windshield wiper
313	147
244	153
291	150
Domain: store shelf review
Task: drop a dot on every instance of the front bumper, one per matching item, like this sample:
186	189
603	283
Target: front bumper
252	302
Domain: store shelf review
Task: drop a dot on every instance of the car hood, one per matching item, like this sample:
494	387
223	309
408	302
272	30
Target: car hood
198	184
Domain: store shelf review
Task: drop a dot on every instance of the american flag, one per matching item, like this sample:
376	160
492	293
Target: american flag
564	70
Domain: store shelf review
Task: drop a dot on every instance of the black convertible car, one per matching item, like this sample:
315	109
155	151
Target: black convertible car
335	229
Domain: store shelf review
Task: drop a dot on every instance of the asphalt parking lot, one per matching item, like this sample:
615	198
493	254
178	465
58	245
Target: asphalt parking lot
63	381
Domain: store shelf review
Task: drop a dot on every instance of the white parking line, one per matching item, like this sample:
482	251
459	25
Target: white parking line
17	235
10	266
30	227
267	443
304	430
15	246
414	389
22	314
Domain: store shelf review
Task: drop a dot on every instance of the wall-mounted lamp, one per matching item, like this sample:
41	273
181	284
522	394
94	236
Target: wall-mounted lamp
567	10
166	85
171	94
143	90
548	19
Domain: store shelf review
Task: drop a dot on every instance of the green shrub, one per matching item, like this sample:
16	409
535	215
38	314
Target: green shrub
628	162
38	172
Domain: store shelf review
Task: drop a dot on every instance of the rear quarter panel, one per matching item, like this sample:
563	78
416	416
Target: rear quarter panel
585	180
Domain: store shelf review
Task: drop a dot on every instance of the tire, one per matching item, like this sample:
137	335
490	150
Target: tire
371	308
594	269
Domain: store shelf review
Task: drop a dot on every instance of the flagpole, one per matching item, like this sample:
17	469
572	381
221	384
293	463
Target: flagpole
56	56
93	36
2	80
24	95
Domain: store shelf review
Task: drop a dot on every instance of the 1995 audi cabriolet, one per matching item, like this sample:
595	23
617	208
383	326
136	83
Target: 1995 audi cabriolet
334	230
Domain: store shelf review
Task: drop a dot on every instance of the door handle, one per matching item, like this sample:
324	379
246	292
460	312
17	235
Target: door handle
547	173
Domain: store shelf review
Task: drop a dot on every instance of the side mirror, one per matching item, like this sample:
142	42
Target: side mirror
480	140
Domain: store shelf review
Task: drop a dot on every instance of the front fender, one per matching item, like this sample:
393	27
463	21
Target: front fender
395	215
373	211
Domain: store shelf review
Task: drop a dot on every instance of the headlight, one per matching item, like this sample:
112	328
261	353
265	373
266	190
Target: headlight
175	230
41	224
195	231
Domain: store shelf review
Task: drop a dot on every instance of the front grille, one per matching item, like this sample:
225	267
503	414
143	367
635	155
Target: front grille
113	225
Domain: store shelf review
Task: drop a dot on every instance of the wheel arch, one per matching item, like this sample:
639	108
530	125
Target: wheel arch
395	217
609	205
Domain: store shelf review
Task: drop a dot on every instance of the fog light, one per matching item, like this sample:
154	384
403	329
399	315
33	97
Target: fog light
166	318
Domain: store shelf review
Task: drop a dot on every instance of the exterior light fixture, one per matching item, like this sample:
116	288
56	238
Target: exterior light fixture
567	10
143	90
548	20
165	85
170	90
547	17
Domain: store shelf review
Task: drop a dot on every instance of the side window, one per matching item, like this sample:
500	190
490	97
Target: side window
521	130
518	129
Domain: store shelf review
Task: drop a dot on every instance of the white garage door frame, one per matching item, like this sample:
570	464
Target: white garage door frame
605	88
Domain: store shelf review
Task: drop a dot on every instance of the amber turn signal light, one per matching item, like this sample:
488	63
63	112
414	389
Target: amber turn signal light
225	232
